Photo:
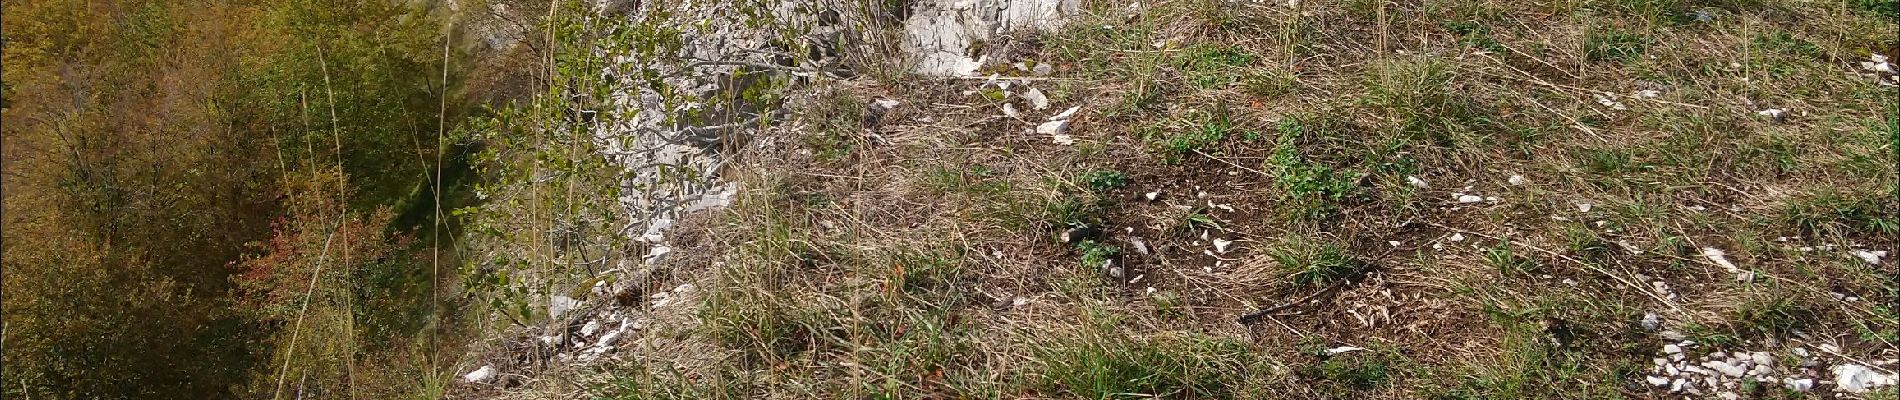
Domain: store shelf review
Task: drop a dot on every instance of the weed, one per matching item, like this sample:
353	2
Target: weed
1311	191
1069	211
1474	34
1773	315
1201	220
1887	9
1835	212
1785	43
1614	45
1270	83
1608	162
1100	362
1205	131
837	118
1417	93
1529	363
1096	254
1103	181
1351	371
769	327
1314	264
975	181
1212	66
1507	261
1585	243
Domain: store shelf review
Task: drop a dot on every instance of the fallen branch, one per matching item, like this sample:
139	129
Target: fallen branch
1250	318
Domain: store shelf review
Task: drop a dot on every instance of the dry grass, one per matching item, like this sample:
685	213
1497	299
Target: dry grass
919	257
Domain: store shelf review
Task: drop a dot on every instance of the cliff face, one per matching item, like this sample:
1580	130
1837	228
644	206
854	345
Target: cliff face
941	35
673	162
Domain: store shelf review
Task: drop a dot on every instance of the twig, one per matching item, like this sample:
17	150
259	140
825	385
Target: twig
1198	151
1255	316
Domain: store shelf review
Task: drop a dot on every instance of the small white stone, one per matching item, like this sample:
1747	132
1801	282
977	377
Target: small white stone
886	103
560	305
1651	321
1152	196
591	327
1800	352
1009	110
1457	237
1342	349
1856	378
1775	113
1415	182
1042	70
1671	349
1720	258
1606	101
657	253
1466	198
1052	128
1065	114
480	375
1220	245
1394	243
1037	101
1517	180
1647	94
1657	381
1584	206
1871	257
1762	358
1799	385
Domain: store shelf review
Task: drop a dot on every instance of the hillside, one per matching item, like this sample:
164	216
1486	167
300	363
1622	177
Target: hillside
1212	199
923	199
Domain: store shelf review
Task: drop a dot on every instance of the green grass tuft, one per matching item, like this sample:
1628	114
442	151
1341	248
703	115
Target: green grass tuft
1613	45
1313	263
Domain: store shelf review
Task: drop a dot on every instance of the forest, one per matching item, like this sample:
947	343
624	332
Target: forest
230	198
